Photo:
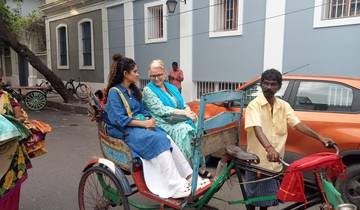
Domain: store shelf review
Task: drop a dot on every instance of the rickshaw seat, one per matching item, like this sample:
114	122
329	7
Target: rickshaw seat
237	152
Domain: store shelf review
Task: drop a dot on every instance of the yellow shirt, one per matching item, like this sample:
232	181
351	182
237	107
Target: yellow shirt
274	126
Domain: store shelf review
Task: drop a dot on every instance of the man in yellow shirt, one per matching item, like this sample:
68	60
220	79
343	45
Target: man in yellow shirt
266	121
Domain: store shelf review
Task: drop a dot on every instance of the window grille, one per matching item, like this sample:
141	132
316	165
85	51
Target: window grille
155	24
86	43
341	8
62	46
203	87
225	15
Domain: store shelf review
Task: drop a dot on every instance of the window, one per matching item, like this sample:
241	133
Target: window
254	90
225	18
86	44
62	47
342	8
324	96
329	13
155	22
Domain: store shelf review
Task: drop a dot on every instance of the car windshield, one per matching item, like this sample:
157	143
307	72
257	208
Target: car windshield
254	90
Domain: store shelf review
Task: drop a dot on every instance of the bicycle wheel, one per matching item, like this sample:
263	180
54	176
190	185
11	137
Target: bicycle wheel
100	189
81	91
35	100
70	87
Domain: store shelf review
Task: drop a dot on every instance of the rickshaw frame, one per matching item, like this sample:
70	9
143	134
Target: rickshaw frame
119	162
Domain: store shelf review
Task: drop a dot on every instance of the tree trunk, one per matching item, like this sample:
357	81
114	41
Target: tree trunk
10	39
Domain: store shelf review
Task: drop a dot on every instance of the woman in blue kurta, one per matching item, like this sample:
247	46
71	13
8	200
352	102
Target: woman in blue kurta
165	168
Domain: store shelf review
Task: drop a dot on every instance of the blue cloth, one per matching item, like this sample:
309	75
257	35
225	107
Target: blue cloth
165	98
144	142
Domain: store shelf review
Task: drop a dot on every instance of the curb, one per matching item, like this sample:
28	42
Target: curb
77	108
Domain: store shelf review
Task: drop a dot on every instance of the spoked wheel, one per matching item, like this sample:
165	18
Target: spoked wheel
35	100
99	189
81	91
70	87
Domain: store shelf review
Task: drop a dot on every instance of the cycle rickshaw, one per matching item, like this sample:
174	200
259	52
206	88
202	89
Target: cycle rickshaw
105	181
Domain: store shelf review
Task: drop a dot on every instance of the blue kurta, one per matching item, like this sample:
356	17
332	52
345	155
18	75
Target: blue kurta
144	142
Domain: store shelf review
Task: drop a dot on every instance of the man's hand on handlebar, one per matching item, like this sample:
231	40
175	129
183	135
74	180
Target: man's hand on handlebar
328	143
272	154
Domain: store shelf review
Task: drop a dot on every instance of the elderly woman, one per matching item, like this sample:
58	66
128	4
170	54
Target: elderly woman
166	171
164	101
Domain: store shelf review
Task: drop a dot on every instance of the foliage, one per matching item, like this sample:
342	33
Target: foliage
14	19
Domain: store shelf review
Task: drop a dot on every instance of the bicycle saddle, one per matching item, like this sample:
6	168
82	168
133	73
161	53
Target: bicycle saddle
240	154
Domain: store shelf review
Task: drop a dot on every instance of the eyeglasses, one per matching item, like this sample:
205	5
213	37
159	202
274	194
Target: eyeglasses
154	76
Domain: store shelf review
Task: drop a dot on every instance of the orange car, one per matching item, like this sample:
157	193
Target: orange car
329	105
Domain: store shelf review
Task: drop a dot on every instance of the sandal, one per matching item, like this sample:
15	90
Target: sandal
184	191
205	174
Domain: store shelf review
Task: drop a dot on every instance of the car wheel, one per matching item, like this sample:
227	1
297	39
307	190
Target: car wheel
350	186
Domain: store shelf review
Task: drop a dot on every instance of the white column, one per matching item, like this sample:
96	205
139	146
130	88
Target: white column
105	35
129	28
14	68
48	45
3	66
186	53
274	34
32	77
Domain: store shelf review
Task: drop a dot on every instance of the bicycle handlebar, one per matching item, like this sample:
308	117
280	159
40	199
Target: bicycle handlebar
333	145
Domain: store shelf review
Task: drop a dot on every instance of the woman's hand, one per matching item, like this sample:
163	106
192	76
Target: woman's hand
190	114
149	124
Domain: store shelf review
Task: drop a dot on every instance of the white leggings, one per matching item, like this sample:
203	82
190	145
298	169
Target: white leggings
166	173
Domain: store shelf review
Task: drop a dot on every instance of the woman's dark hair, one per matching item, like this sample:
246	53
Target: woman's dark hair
120	65
272	75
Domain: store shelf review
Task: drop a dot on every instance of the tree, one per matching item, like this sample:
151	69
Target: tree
9	23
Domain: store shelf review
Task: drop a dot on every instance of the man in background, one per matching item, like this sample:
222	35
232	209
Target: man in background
176	76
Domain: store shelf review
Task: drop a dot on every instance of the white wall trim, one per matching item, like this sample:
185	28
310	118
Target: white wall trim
274	34
320	22
119	2
105	36
81	47
58	47
237	32
146	21
129	29
186	50
67	14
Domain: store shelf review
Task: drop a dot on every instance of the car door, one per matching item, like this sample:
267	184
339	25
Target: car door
328	107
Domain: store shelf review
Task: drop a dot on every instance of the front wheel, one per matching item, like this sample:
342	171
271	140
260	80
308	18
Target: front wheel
100	189
35	100
350	186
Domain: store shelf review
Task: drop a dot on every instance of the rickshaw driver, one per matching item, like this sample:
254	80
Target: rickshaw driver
266	121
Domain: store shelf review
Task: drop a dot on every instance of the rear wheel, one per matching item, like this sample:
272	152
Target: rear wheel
70	87
350	186
99	189
81	91
35	100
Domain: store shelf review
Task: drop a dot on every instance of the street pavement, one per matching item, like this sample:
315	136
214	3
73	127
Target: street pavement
53	181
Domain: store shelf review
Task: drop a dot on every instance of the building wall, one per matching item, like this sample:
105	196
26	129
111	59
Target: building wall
168	51
328	51
235	58
116	30
73	71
